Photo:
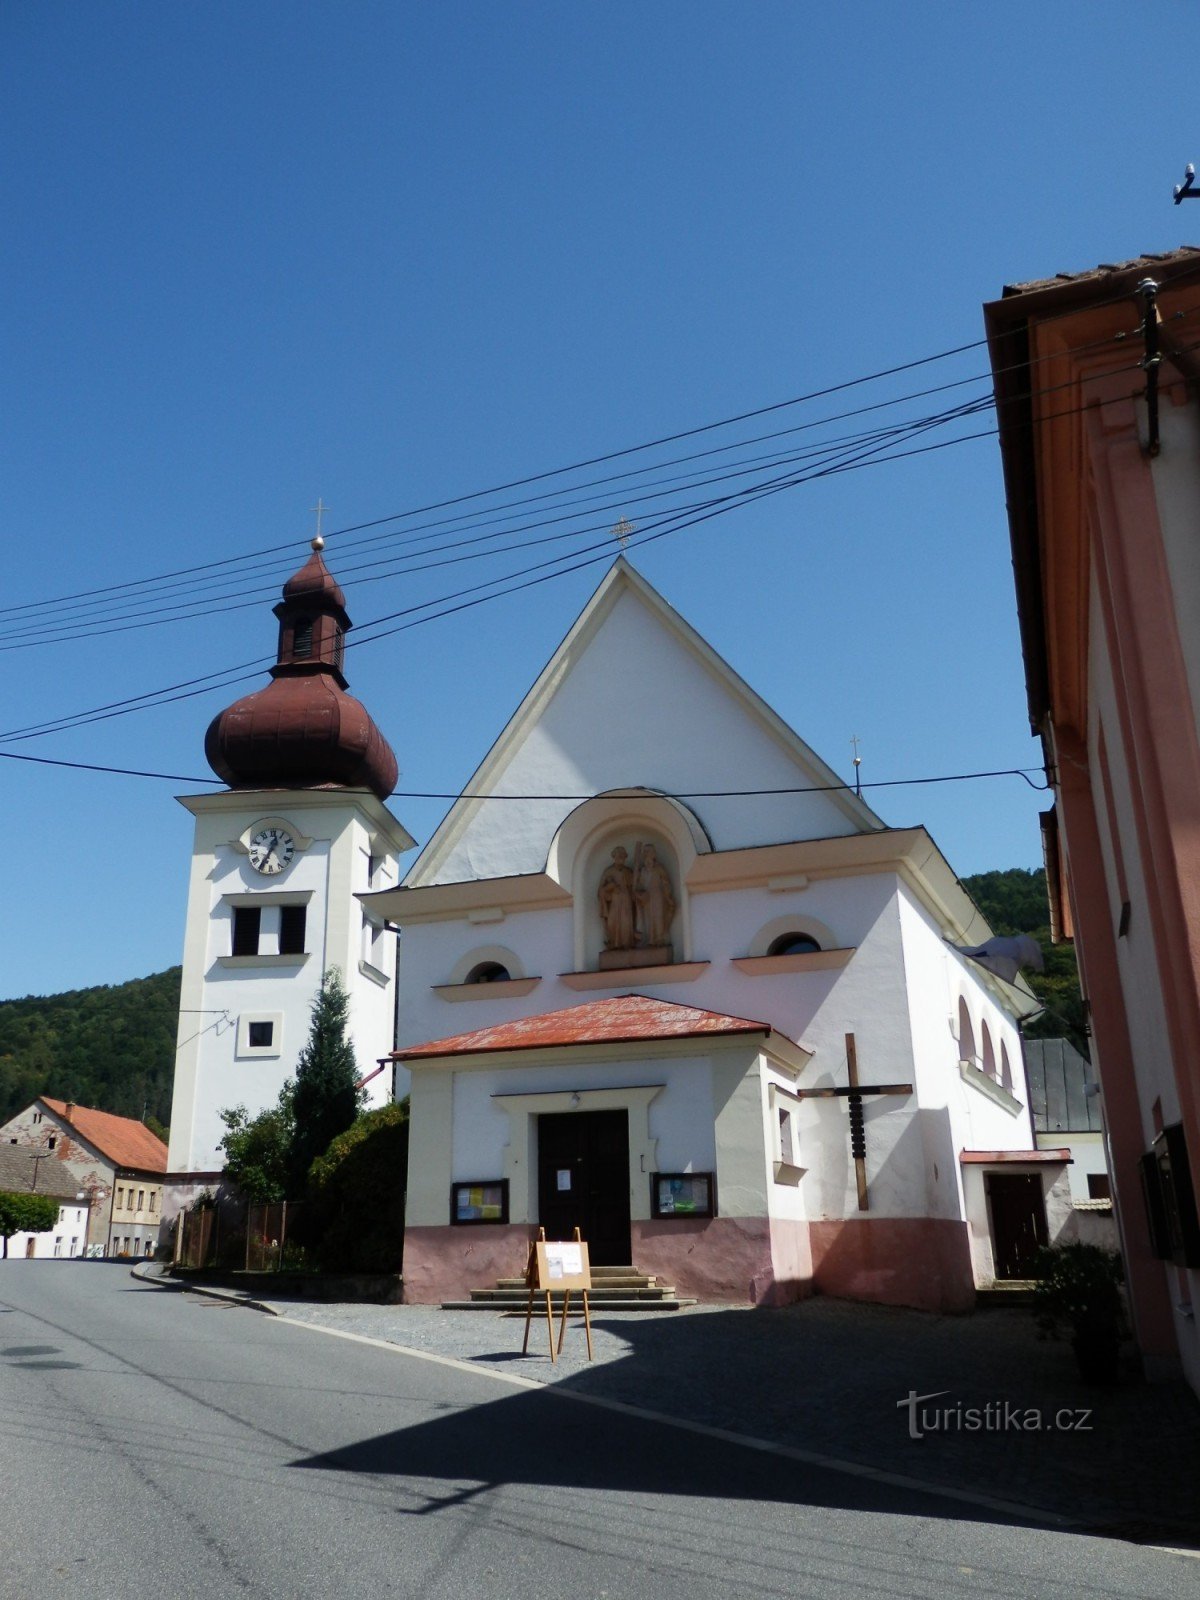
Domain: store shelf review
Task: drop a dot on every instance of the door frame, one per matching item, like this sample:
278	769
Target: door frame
521	1151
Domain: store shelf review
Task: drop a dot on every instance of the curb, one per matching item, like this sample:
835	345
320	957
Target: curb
231	1296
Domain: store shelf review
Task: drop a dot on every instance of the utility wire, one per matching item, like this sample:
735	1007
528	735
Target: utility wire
226	678
80	601
1027	773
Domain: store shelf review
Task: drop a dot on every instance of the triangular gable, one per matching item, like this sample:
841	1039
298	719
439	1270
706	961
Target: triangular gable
635	697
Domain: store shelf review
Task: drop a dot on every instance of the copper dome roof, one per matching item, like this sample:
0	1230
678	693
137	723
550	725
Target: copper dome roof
303	730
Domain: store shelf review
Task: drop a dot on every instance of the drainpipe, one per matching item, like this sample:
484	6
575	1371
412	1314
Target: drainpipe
1147	292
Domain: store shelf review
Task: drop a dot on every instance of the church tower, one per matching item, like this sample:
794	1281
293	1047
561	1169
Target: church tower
279	859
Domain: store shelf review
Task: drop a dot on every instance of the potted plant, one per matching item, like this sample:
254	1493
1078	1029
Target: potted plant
1078	1294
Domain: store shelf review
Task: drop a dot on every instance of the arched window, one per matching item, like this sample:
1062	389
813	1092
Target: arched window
793	944
1006	1077
488	972
966	1033
989	1053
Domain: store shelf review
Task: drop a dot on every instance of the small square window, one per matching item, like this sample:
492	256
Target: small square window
260	1035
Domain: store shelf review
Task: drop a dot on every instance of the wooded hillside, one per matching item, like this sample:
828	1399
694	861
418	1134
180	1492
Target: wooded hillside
112	1047
1014	901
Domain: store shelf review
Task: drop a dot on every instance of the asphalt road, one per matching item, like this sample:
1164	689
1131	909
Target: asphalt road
155	1444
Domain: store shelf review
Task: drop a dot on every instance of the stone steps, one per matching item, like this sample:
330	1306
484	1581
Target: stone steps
1006	1292
613	1289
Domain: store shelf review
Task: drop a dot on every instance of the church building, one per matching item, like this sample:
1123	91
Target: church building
278	859
666	979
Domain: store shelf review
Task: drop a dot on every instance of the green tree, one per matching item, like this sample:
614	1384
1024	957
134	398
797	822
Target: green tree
356	1194
26	1213
326	1097
258	1149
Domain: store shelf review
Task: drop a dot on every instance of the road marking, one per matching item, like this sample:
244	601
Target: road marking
745	1441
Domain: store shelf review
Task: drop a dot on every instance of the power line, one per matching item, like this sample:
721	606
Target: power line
673	521
32	634
1027	773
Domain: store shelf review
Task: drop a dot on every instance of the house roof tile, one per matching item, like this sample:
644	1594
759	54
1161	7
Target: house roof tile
24	1170
125	1142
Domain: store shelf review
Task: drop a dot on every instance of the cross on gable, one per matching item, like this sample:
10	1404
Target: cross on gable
854	1093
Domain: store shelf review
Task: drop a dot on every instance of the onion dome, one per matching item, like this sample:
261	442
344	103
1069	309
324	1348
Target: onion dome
303	730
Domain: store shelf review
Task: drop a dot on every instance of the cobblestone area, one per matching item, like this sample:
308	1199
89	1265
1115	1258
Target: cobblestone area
830	1377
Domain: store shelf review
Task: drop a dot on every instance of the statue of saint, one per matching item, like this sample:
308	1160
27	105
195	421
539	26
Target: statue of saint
655	898
615	899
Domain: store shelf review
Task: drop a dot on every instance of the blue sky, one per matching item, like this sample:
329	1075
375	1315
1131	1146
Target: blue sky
391	254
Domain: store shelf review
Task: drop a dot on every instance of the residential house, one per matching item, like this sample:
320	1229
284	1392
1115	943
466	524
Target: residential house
1098	393
28	1171
117	1162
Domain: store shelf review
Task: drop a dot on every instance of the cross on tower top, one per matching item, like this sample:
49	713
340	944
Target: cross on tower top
320	508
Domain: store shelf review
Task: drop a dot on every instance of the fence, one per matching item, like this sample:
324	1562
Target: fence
267	1228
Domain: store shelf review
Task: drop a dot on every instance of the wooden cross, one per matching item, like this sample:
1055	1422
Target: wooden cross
854	1093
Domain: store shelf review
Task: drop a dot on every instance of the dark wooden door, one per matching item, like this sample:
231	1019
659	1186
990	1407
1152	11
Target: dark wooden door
583	1181
1018	1221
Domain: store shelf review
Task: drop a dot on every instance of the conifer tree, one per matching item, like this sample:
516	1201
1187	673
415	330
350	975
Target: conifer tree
326	1097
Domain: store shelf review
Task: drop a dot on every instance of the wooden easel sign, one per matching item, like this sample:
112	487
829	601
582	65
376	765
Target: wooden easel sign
558	1266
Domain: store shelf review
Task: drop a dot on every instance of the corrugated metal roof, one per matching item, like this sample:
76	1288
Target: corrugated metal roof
625	1019
1059	1079
125	1142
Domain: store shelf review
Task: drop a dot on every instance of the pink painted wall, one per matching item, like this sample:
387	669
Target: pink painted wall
924	1262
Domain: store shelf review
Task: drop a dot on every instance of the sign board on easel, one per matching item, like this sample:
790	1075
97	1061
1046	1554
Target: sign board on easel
558	1266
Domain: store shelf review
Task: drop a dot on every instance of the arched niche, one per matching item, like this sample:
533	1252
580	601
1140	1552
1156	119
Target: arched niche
581	852
988	1062
966	1034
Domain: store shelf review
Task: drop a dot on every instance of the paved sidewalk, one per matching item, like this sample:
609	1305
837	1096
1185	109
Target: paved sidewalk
830	1377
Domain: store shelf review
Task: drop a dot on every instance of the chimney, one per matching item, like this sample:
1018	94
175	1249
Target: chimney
70	1111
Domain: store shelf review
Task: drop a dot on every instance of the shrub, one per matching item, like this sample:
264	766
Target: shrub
1078	1294
356	1193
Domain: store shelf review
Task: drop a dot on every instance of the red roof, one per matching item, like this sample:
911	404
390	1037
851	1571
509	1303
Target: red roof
125	1142
987	1157
624	1020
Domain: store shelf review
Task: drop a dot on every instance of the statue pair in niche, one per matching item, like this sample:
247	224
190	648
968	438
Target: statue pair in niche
637	903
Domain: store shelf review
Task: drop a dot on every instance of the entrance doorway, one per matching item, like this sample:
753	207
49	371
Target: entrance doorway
1018	1221
583	1181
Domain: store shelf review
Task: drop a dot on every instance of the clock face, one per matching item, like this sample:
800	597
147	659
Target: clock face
271	849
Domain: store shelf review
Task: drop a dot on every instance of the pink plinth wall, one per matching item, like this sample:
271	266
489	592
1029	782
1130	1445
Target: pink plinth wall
721	1258
897	1261
914	1261
447	1263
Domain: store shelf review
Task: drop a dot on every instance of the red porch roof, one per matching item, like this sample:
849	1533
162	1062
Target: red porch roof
626	1019
987	1157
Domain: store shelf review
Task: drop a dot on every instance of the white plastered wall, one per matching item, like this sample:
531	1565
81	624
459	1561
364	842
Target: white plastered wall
215	1068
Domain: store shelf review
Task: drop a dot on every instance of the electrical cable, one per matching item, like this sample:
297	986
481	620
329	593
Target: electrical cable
224	678
597	460
691	794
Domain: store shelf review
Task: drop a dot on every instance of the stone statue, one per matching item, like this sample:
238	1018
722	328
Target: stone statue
615	899
654	897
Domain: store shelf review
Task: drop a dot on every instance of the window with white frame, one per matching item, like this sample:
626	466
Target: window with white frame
259	1034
